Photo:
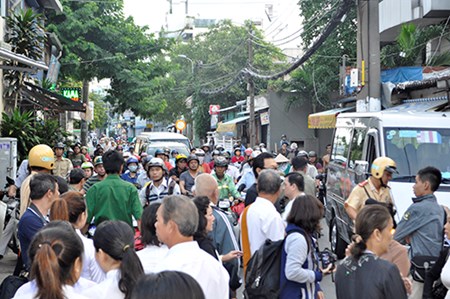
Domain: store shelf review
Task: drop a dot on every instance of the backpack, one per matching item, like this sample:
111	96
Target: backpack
10	285
148	188
262	278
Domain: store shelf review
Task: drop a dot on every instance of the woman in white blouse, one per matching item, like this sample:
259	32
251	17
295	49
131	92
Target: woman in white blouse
71	207
154	251
114	245
56	254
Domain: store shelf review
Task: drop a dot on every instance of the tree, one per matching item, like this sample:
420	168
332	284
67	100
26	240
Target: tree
409	49
218	56
26	37
318	79
100	111
99	42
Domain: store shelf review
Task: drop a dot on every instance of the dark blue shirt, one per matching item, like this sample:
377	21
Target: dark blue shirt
30	223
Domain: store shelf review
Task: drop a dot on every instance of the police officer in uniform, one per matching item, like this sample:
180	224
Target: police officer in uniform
374	190
63	166
375	187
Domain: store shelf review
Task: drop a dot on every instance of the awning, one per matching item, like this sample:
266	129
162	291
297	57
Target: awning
230	126
9	55
420	104
50	100
326	119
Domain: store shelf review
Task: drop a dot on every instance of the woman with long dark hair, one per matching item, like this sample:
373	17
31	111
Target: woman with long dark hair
363	274
71	207
153	251
205	226
167	285
300	271
114	245
56	260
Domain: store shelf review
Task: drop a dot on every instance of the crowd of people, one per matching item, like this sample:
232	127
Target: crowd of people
122	224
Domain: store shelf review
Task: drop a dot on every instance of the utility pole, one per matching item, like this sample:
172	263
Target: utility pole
84	128
369	51
251	90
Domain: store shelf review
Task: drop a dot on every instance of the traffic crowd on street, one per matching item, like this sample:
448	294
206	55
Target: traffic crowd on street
112	222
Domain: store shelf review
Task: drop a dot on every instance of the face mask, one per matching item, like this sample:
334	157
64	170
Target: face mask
133	168
201	159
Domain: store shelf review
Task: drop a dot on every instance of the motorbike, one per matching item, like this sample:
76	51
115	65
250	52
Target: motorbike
9	235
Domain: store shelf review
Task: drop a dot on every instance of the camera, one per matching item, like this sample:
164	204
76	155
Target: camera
327	257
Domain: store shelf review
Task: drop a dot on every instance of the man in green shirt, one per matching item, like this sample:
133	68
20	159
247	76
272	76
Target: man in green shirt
113	198
226	184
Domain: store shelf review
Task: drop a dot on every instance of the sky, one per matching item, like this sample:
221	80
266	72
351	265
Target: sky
286	18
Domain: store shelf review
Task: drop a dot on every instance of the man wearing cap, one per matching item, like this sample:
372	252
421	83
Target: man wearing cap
98	177
375	187
207	149
63	166
187	178
160	184
180	167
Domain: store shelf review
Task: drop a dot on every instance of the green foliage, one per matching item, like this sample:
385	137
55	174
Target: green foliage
49	131
442	59
26	37
218	56
21	126
30	131
410	46
100	111
100	42
318	78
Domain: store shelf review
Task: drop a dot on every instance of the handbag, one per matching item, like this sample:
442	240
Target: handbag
420	264
439	291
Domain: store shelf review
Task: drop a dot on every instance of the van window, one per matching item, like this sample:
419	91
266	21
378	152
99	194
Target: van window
357	146
341	146
416	148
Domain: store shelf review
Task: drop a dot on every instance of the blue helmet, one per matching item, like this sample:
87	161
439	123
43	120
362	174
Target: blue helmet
132	160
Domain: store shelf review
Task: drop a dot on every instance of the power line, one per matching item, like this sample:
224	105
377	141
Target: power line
334	22
223	59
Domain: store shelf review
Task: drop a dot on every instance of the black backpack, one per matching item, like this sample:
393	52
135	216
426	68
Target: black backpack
262	278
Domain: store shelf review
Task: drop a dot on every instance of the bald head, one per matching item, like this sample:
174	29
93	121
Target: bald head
206	185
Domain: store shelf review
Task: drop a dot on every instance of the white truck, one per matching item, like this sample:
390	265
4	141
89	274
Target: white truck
412	136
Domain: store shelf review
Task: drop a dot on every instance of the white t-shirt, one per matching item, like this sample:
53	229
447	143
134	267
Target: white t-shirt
151	255
263	222
29	290
91	269
187	257
107	289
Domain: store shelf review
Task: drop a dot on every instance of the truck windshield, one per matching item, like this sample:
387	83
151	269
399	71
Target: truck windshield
413	149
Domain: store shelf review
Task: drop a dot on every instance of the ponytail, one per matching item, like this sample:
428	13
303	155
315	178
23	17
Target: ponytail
369	219
116	238
359	246
45	269
130	270
53	252
68	207
59	210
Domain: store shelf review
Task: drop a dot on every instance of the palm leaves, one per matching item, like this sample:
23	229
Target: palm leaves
26	37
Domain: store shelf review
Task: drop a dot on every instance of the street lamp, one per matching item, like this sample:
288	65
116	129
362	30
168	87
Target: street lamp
190	60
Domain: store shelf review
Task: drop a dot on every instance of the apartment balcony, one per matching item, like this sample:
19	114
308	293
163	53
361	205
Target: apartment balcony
393	13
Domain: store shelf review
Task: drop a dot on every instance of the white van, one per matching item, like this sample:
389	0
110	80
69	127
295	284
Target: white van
412	139
150	137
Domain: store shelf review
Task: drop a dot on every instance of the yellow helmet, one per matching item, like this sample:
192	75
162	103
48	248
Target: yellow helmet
41	155
380	164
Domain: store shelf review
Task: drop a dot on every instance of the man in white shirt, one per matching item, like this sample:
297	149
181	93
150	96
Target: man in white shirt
263	220
223	235
177	221
294	186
